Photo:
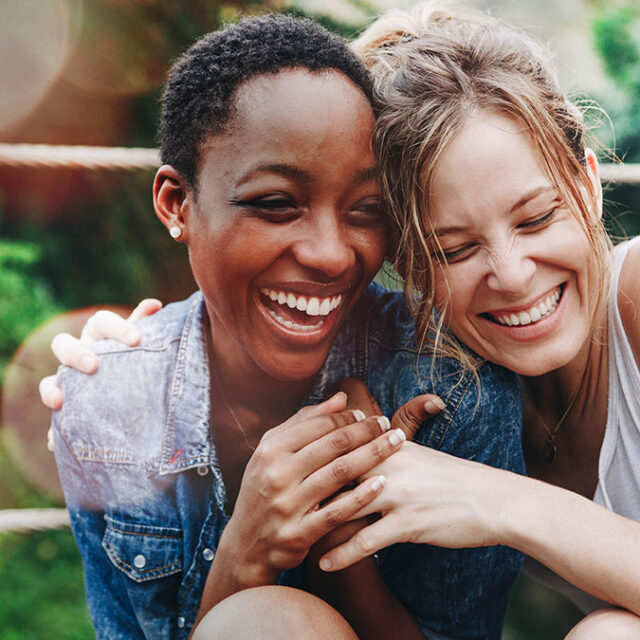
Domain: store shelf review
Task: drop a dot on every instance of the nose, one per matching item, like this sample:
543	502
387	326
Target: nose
510	270
325	247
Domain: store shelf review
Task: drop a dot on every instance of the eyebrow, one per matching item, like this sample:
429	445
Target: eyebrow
525	199
286	170
532	195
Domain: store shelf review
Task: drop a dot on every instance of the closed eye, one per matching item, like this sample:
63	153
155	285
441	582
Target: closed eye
541	221
457	254
273	209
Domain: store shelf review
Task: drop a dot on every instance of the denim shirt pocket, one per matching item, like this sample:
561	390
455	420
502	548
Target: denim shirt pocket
143	552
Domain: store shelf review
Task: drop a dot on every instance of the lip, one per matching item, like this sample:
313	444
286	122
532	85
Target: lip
529	332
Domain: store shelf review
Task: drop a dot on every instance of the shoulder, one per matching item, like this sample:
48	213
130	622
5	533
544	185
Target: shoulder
103	414
628	296
389	322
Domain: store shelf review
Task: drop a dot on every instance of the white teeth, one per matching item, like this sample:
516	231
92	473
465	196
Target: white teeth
311	306
533	315
524	318
294	325
325	307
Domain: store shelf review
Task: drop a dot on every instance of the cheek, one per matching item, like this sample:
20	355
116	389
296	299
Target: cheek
371	246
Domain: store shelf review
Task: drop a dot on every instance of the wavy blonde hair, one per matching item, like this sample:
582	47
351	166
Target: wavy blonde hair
433	66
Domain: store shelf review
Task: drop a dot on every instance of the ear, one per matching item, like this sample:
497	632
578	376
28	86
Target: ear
593	170
172	201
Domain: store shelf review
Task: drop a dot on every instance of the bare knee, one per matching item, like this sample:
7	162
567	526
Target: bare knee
273	613
613	624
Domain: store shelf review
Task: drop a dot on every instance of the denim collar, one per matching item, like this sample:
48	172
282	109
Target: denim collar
186	442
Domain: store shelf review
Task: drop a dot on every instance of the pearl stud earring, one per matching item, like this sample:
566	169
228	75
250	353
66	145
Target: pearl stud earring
175	231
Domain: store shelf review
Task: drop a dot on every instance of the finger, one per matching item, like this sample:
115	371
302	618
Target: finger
146	307
50	445
359	397
50	392
337	402
345	506
294	437
382	533
343	470
337	442
106	324
410	416
71	352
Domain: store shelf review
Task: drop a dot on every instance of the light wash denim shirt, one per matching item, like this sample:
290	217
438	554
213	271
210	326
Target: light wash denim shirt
136	457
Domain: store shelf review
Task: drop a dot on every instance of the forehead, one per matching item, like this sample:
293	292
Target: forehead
295	117
487	163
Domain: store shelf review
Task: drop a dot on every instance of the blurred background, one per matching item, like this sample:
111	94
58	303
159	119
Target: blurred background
89	72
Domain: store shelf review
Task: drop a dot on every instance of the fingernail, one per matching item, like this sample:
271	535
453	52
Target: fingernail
358	415
325	564
342	393
378	483
87	363
132	336
384	423
397	436
433	406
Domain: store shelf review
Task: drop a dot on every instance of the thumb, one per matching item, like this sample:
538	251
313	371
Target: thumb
413	413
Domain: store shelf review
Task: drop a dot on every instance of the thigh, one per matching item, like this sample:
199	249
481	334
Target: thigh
612	624
273	613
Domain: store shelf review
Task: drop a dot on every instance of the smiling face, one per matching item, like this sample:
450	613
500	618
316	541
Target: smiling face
519	283
285	230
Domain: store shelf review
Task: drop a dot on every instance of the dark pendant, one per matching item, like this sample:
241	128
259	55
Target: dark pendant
550	450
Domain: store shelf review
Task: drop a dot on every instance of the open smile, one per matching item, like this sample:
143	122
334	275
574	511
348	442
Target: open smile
297	312
537	312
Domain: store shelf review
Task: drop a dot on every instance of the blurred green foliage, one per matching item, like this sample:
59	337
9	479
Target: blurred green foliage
26	298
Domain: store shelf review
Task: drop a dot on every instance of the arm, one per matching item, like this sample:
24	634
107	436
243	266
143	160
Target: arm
296	467
458	503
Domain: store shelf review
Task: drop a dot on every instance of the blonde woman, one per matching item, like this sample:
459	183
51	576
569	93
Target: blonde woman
497	206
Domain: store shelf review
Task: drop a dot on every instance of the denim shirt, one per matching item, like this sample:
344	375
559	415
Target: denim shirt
136	457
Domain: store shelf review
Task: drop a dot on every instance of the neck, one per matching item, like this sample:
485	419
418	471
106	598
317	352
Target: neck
248	395
575	397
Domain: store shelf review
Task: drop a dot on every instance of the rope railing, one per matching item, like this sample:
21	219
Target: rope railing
78	157
128	158
26	520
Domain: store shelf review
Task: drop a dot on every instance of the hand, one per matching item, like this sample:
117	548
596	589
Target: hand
279	513
409	417
73	352
429	497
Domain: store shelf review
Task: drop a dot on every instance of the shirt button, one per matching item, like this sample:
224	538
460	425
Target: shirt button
207	554
139	561
181	622
203	470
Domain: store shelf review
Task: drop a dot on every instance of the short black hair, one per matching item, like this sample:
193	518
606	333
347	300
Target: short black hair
196	102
